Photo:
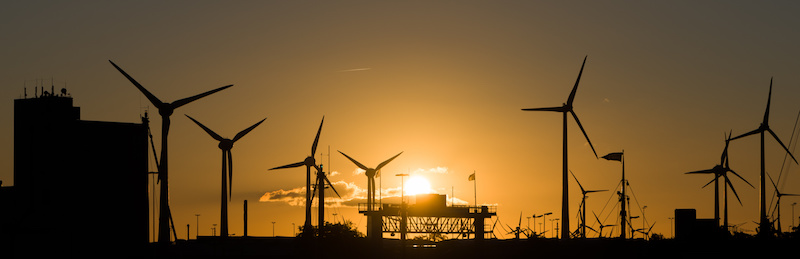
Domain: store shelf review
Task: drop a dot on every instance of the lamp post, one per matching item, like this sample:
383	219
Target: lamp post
197	226
545	218
793	213
671	219
213	230
643	220
403	216
529	222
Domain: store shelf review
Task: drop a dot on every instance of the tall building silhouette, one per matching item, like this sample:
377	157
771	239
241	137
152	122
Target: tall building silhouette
79	186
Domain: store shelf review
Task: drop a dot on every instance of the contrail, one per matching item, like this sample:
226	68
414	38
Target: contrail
355	69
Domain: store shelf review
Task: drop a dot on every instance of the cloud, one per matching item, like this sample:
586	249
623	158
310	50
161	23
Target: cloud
436	170
351	196
606	100
359	171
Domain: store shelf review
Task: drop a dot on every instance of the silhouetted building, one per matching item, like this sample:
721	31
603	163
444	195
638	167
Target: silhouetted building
689	227
80	187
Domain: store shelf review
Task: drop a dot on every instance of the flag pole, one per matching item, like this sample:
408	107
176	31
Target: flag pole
475	188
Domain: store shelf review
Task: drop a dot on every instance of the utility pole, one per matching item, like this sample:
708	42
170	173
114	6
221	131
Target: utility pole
671	227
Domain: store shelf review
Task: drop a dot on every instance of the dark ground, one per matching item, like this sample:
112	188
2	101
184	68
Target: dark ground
362	248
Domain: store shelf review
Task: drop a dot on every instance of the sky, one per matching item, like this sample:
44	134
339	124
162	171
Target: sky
443	82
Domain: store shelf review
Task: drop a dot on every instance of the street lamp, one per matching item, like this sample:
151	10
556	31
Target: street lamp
671	219
545	218
793	212
213	230
197	226
402	187
403	219
529	222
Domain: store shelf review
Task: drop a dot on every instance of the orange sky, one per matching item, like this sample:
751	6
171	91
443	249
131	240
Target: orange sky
443	82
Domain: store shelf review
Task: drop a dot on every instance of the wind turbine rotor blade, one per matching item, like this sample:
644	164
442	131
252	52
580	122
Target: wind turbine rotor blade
740	177
755	131
584	132
548	109
735	194
184	101
290	165
598	219
384	163
707	171
316	139
782	145
363	167
575	88
714	180
769	98
153	99
332	188
209	131
773	182
247	130
576	180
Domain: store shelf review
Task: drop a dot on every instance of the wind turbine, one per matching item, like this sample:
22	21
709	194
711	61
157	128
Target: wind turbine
564	109
226	145
308	162
321	180
601	224
371	173
764	127
721	170
516	231
583	204
165	110
778	194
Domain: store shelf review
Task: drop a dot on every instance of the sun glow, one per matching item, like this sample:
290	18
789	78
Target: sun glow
417	185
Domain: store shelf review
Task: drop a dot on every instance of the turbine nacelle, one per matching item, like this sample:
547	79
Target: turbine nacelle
225	144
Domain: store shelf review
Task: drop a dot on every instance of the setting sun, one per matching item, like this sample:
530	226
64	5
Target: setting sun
418	185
